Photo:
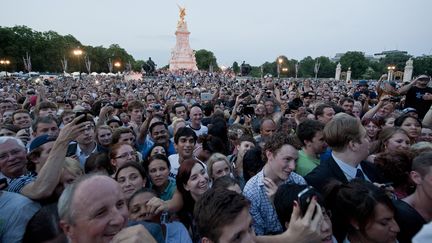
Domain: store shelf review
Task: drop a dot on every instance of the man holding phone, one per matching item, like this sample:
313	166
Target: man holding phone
418	95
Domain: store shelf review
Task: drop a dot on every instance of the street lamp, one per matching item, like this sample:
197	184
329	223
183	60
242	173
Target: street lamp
390	69
280	60
78	53
5	62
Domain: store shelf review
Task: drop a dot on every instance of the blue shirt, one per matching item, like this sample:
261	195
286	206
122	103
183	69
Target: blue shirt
266	221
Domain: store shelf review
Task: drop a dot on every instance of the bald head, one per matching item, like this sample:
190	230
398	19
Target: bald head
92	209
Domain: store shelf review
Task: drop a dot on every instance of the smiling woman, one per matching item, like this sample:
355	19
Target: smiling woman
131	177
192	181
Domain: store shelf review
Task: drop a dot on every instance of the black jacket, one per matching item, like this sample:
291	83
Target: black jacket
329	170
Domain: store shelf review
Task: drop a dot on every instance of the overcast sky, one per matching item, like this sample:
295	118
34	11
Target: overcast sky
235	30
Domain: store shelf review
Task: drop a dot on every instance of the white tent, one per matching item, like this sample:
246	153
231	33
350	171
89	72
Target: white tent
103	74
94	73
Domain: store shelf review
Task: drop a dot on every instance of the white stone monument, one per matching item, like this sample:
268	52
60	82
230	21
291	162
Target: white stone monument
408	70
182	56
338	71
348	74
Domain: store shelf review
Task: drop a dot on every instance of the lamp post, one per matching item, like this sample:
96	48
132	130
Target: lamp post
5	62
390	69
279	63
285	69
117	65
78	52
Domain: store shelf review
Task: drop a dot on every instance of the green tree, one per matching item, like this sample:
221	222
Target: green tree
398	59
422	65
357	61
306	69
327	68
236	67
204	59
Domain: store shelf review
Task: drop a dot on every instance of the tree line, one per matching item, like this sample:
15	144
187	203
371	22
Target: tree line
47	51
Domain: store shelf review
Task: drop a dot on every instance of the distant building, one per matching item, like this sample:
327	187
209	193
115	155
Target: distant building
385	53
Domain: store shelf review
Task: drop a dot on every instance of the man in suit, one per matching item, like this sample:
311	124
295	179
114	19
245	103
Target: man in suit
350	146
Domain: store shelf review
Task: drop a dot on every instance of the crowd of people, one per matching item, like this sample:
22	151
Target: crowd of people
210	157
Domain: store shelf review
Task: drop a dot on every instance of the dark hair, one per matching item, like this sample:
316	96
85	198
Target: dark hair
208	109
44	226
141	190
45	119
319	110
183	175
44	105
184	132
224	182
177	105
252	162
422	163
216	209
153	147
356	201
398	121
284	201
278	140
158	123
156	157
212	144
307	130
98	161
346	99
135	165
395	166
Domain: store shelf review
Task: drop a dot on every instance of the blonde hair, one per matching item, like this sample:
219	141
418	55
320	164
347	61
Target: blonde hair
73	166
342	129
215	158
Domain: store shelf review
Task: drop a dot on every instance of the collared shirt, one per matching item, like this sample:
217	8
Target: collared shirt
348	170
82	157
265	217
168	193
16	184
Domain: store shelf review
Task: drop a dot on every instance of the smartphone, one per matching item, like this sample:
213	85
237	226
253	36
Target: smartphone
244	95
248	110
84	119
206	96
304	199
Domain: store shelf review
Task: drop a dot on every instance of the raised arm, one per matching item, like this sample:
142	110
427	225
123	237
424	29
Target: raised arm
49	175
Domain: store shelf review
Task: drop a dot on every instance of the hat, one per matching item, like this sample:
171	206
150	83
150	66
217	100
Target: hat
41	140
408	110
363	83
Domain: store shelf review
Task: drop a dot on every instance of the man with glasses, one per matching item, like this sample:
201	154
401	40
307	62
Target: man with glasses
38	186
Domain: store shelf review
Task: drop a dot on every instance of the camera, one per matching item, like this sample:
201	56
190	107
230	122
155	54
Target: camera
156	107
118	105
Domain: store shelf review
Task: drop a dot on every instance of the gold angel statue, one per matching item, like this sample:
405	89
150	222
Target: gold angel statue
182	11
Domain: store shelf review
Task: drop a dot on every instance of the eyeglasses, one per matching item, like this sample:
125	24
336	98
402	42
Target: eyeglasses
126	155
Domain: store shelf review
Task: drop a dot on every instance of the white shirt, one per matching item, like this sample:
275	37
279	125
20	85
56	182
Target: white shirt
348	170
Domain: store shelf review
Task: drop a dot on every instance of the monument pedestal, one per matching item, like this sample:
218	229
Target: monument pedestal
182	55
